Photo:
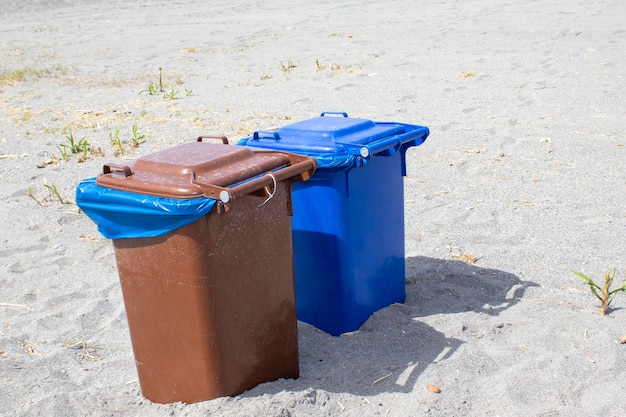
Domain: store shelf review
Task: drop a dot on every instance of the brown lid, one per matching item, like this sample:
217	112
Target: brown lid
200	169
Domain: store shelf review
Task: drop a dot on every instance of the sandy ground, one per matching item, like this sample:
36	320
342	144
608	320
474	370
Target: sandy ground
524	173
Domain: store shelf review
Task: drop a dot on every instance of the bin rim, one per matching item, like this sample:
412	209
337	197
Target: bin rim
199	169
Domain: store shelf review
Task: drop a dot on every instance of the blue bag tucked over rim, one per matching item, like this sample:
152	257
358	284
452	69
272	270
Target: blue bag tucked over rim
120	214
164	191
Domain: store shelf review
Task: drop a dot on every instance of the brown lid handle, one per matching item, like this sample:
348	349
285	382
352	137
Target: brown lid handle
301	167
301	170
110	168
224	139
297	170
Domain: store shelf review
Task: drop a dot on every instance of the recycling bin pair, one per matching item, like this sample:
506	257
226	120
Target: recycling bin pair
210	238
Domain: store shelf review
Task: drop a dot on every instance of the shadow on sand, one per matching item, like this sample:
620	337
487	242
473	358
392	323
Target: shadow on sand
395	346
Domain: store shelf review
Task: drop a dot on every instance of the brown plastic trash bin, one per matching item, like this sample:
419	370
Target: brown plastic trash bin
211	305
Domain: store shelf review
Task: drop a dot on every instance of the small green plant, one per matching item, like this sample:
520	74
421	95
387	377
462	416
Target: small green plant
66	148
31	194
288	66
73	146
62	147
54	191
151	89
321	67
172	94
116	142
154	88
137	139
84	148
603	293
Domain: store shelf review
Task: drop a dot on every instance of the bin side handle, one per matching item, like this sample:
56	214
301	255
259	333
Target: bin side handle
224	139
112	168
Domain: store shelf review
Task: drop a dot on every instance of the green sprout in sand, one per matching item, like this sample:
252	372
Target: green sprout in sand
154	88
603	293
172	94
116	142
74	146
137	138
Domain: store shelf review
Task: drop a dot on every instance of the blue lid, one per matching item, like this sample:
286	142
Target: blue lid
335	135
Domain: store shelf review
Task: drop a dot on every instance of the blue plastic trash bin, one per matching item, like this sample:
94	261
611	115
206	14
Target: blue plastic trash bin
348	223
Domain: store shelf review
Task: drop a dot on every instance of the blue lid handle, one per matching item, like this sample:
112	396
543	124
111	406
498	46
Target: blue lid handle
335	113
259	135
390	144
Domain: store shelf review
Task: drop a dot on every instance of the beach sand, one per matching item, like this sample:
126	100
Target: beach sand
522	180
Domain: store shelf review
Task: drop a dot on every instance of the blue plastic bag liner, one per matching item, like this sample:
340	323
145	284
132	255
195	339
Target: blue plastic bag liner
120	214
166	190
338	141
